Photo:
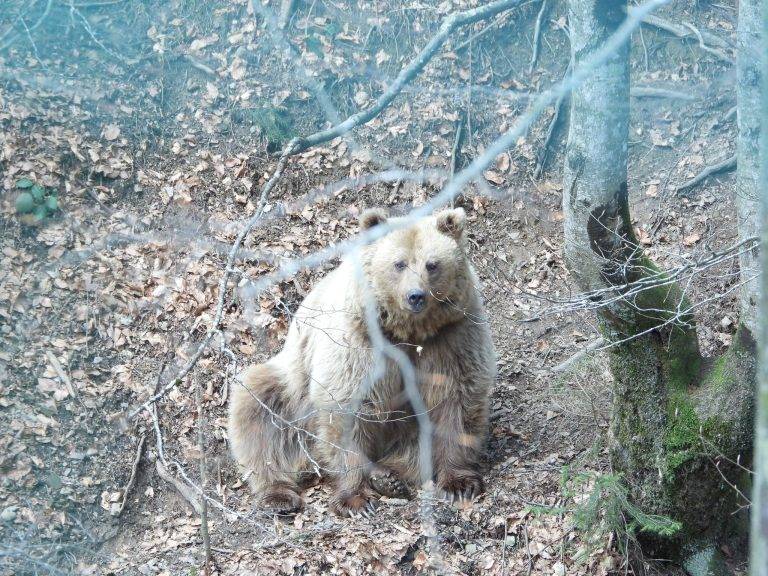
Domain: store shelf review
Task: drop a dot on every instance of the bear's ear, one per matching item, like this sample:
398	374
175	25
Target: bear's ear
372	217
451	222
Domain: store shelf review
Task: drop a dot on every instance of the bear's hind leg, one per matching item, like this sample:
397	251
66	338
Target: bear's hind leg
263	441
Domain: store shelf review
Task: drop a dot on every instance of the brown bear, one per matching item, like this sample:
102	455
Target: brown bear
331	403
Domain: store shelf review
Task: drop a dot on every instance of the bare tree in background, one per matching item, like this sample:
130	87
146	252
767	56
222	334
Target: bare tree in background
681	422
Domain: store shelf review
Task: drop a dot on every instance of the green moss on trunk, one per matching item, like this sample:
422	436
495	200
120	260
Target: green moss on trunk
678	421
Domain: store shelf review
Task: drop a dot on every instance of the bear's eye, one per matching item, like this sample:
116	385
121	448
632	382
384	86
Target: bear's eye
400	265
431	266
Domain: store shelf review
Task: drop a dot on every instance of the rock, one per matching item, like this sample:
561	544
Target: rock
8	514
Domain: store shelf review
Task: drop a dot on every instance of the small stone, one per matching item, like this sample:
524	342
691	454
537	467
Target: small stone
8	514
558	569
470	548
726	322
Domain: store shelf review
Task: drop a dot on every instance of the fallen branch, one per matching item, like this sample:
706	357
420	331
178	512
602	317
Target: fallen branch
199	65
203	476
719	53
651	92
134	471
186	492
591	347
537	36
725	166
687	32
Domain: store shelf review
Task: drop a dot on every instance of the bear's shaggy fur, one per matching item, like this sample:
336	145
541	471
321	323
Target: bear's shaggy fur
331	400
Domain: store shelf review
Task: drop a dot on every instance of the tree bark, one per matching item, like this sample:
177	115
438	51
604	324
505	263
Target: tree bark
748	154
759	532
675	413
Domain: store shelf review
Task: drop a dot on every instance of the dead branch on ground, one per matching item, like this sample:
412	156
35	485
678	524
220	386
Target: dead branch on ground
653	92
134	471
537	35
723	166
203	476
591	347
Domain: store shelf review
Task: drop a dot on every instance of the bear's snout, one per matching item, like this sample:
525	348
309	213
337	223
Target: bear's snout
417	300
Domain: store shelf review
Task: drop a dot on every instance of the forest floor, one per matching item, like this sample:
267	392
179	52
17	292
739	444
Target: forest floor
154	127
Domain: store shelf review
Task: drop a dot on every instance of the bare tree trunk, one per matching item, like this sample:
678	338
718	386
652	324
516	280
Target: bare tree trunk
759	532
675	413
748	153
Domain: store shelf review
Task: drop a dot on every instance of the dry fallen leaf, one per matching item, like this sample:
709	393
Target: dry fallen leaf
494	177
691	239
111	132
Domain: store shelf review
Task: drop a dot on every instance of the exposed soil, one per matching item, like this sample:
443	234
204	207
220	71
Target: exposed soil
154	125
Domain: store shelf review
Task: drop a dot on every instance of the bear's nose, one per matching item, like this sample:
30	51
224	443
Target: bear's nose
417	299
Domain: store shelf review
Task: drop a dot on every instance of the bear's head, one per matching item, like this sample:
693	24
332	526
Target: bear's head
420	275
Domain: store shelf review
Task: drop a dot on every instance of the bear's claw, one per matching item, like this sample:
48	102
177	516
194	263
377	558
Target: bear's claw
461	488
390	485
354	505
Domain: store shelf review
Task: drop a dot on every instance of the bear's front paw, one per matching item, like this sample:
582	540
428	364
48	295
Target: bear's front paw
282	501
353	505
389	484
461	485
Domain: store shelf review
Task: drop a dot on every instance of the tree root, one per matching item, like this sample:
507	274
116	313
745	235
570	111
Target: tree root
708	41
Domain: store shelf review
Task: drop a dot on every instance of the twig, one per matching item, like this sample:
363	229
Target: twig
592	346
203	476
686	32
645	48
9	37
59	369
543	156
456	150
199	65
504	570
527	549
99	43
725	166
537	36
134	470
480	34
